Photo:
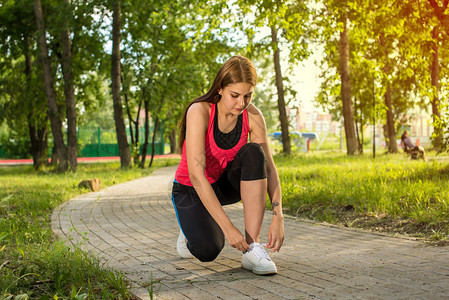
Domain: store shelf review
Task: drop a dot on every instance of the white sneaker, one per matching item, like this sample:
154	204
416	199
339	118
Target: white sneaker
258	261
181	246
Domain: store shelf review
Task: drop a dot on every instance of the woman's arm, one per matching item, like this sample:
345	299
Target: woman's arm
197	122
259	135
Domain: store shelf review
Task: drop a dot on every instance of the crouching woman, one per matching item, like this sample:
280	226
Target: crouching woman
219	167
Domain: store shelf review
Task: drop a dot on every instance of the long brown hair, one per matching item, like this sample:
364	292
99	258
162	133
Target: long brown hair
234	70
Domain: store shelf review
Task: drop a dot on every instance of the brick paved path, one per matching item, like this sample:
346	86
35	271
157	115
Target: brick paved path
132	227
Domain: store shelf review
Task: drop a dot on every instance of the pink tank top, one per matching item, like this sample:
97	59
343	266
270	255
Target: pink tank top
216	158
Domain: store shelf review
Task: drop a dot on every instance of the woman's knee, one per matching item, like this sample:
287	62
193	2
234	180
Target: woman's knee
252	162
253	151
206	251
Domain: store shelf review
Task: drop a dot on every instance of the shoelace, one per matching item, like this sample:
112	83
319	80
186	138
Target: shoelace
259	251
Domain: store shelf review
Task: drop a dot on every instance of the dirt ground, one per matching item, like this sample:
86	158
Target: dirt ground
346	216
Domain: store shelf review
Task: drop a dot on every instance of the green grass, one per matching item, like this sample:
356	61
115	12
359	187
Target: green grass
389	193
32	262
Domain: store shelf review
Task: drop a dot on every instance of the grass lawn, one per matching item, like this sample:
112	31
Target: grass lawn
390	193
32	262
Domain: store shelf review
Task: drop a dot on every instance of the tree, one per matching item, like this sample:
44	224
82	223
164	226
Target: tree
125	155
391	133
126	81
20	89
348	117
435	73
53	110
383	55
441	12
186	53
440	135
66	63
287	22
286	147
169	60
338	62
424	20
37	127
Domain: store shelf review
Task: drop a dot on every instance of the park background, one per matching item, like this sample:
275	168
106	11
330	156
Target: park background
74	83
75	75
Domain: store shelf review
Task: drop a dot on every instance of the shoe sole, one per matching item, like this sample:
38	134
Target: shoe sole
260	271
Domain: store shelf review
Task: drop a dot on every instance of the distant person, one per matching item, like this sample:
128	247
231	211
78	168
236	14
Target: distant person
219	167
409	147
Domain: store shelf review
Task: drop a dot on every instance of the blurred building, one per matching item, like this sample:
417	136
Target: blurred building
417	122
320	123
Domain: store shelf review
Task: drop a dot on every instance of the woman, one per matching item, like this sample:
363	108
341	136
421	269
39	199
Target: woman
219	167
409	147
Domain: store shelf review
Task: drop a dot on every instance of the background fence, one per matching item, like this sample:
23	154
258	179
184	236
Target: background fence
98	142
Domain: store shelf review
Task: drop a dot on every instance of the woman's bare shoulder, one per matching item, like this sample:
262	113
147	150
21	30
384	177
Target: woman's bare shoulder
200	107
199	111
254	113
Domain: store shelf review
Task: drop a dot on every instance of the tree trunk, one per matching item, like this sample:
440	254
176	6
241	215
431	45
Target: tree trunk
286	148
351	142
39	145
54	157
438	140
385	131
37	130
128	111
358	124
134	132
172	137
125	155
137	121
391	132
53	111
362	135
147	134
156	124
136	143
72	139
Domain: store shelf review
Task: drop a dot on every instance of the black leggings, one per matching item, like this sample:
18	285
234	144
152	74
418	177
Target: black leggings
205	239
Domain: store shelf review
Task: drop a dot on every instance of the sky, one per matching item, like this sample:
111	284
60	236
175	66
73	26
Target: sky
305	76
306	82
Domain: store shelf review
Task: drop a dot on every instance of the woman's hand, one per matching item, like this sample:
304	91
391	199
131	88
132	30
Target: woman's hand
276	233
236	239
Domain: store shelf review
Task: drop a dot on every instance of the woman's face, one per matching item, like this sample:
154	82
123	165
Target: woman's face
236	97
